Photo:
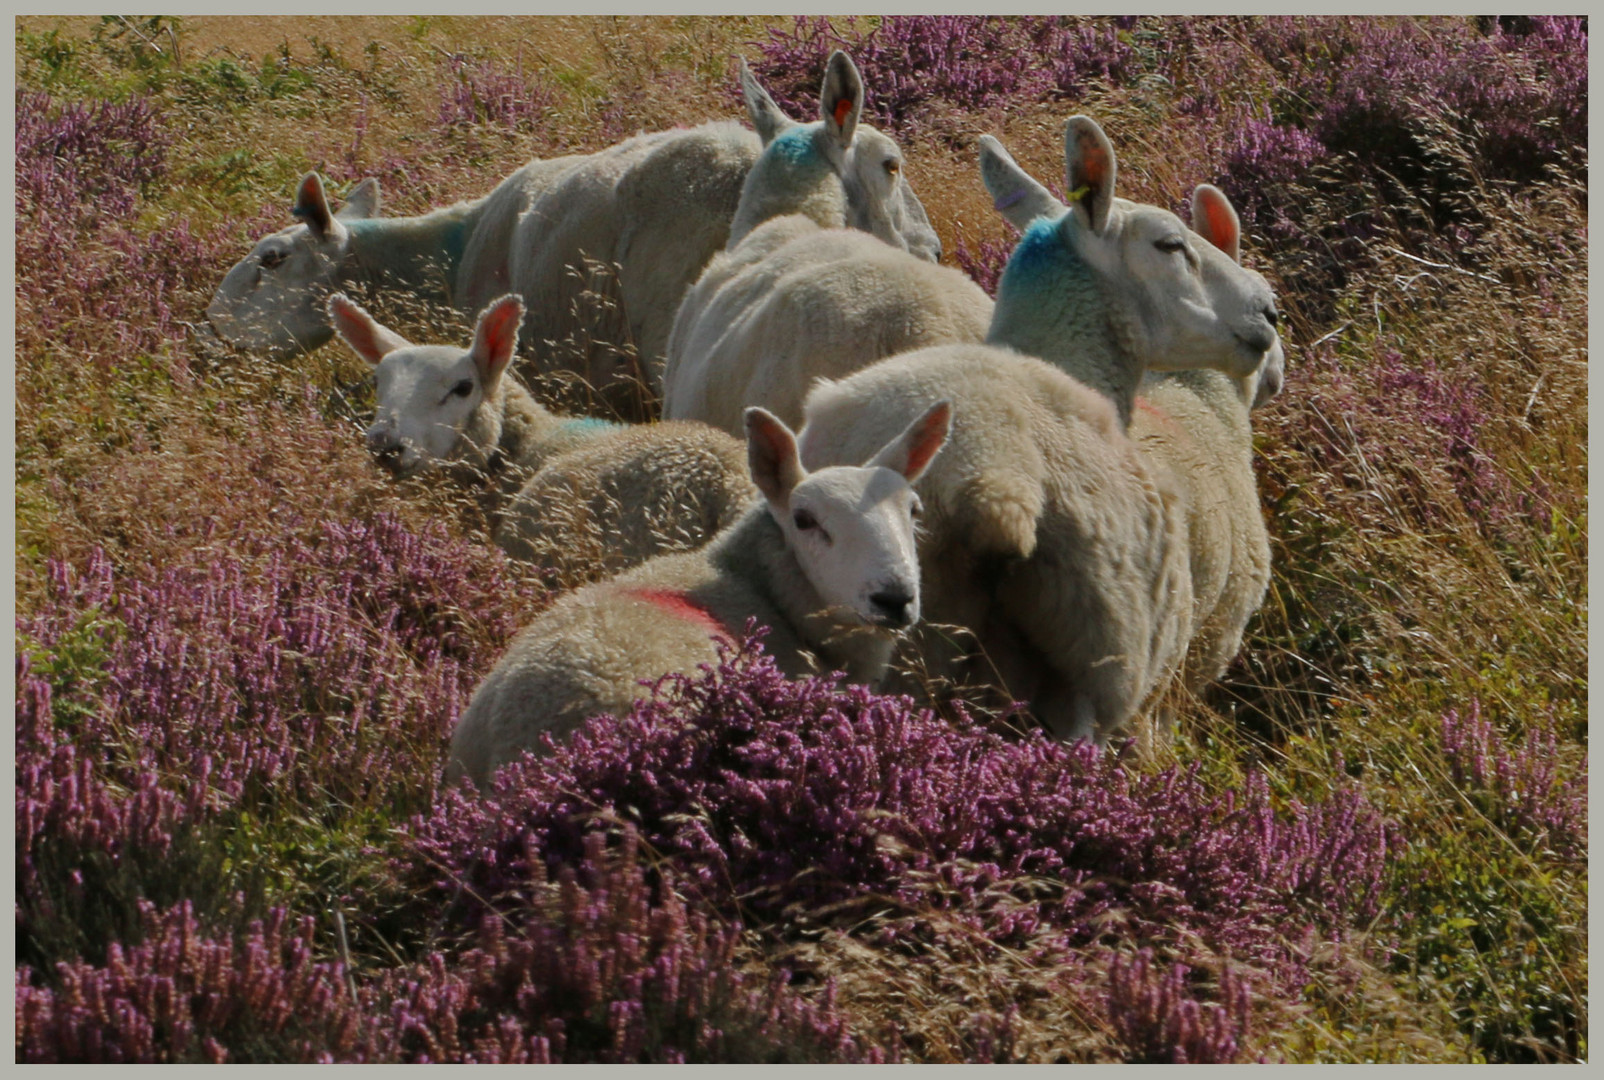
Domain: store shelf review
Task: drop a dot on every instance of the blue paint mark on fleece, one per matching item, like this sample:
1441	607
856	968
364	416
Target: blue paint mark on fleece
795	145
587	425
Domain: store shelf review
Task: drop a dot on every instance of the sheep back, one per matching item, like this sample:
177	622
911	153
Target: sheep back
625	495
1048	534
794	303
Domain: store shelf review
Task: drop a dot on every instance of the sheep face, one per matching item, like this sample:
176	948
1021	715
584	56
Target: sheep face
879	200
851	529
835	169
1183	302
1178	295
271	301
435	403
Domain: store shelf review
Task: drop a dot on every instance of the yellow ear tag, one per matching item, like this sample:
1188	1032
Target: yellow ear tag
1079	193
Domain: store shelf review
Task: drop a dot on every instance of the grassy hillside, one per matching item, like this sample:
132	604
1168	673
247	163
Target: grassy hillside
241	649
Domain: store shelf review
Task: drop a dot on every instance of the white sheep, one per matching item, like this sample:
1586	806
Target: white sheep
831	265
825	561
836	172
575	495
794	303
657	205
273	300
1197	422
1051	535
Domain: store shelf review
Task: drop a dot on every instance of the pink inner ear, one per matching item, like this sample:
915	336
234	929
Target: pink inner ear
1222	228
1094	163
500	333
932	433
358	329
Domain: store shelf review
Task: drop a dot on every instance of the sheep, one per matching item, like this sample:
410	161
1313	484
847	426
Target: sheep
824	560
836	172
1048	534
577	496
1051	535
831	264
794	303
1197	421
271	302
658	205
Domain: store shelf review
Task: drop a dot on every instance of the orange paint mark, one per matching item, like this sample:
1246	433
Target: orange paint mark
842	107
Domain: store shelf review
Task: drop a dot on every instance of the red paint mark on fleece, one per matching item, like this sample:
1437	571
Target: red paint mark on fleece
681	606
1162	419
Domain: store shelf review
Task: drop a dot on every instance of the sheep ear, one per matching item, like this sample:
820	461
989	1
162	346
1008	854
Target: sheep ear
911	452
366	337
312	207
495	338
1015	194
1089	170
361	201
767	117
772	456
1215	220
841	100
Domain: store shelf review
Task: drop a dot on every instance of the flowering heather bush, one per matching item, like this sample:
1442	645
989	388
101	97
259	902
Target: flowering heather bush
1419	424
181	996
1520	791
249	656
1387	91
82	171
984	263
1158	1018
796	796
482	93
913	64
80	162
600	971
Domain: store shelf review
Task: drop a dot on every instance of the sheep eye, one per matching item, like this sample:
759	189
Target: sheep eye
916	510
1170	244
272	259
805	520
463	388
893	167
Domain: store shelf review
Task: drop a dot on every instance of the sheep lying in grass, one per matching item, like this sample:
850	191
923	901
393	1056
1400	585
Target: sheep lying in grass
1051	535
825	561
273	301
576	495
657	205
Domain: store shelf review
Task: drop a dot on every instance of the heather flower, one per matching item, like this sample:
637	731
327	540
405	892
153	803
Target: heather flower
83	162
182	996
604	967
482	93
916	67
984	263
802	795
1156	1015
1520	790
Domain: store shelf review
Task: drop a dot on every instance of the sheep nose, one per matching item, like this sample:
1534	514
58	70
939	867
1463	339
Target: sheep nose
891	606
